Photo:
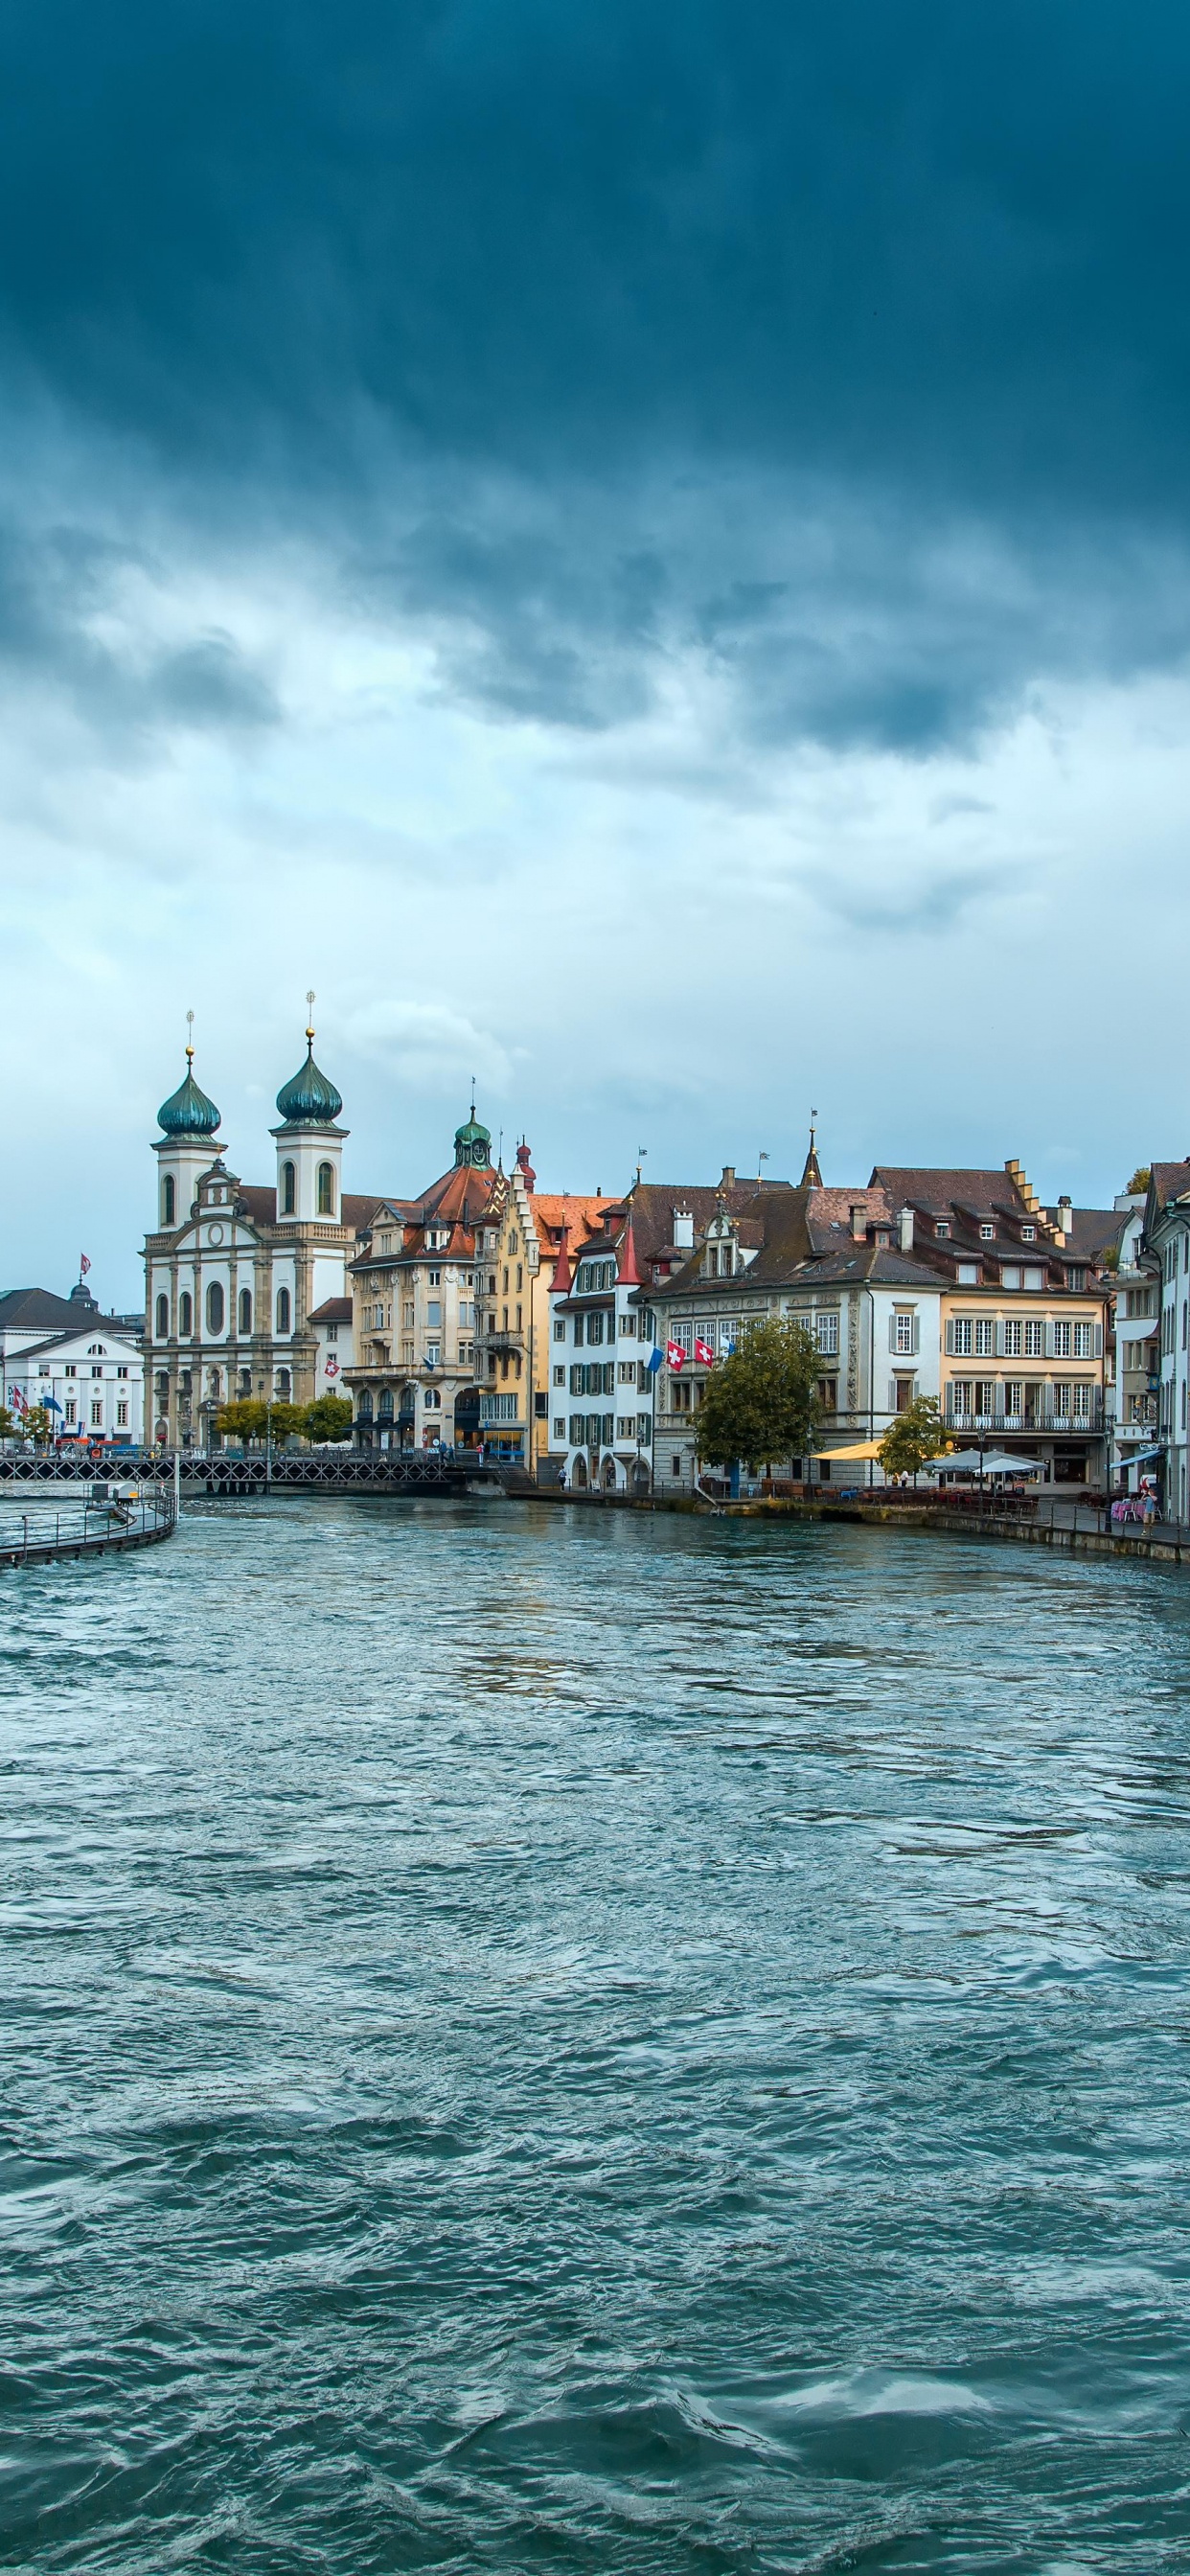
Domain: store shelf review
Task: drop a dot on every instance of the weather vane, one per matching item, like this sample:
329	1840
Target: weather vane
310	999
190	1036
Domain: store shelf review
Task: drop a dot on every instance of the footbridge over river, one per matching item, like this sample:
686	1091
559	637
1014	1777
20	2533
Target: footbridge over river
336	1471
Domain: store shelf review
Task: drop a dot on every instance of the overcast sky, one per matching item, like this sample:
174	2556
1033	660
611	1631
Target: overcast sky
640	550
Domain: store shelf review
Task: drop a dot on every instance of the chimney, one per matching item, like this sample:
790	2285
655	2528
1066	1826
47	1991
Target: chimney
728	1180
905	1228
859	1221
1065	1214
683	1224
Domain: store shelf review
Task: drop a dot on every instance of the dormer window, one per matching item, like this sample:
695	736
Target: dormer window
987	1234
1028	1234
941	1230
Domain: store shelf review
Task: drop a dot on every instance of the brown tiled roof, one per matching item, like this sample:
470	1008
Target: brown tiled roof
1091	1230
333	1310
355	1211
1169	1181
918	1186
261	1204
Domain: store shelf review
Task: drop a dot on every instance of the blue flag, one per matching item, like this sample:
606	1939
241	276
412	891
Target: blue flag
653	1363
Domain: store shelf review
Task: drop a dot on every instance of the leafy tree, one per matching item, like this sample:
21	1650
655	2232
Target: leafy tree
286	1419
245	1419
328	1418
760	1404
913	1437
1140	1180
9	1426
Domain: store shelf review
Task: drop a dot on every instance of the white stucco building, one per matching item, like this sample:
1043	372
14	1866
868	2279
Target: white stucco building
84	1367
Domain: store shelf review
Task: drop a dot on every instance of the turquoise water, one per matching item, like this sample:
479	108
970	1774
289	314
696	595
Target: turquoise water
534	2040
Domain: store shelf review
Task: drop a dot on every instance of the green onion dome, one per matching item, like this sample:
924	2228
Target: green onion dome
309	1100
188	1112
473	1144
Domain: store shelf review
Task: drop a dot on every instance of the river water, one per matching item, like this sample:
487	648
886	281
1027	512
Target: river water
539	2040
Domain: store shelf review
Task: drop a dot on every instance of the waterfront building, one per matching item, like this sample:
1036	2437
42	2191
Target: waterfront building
1166	1246
236	1272
832	1260
605	1356
515	1367
1024	1311
1134	1348
334	1345
85	1367
416	1281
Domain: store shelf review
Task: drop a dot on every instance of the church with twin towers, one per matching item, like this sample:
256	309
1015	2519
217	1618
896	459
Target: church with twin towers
246	1286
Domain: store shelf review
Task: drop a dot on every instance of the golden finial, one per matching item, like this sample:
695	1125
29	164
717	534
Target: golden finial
310	998
189	1036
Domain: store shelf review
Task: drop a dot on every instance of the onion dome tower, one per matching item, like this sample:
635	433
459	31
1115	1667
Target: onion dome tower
187	1145
473	1144
309	1143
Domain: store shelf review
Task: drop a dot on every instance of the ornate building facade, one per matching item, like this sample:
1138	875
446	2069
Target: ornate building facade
237	1275
416	1282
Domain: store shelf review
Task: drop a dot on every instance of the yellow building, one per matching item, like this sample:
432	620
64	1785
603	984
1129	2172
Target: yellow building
513	1356
1024	1310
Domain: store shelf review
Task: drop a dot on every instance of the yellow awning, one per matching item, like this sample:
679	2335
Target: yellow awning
857	1449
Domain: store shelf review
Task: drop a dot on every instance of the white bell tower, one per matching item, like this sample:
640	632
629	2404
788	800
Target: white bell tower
309	1144
186	1148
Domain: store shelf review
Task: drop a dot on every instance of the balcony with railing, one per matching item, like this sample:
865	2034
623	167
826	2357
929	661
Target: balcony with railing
1039	1418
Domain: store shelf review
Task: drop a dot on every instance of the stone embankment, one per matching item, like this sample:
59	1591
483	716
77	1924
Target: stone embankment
1079	1531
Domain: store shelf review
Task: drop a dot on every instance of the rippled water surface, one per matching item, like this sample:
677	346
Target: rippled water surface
539	2040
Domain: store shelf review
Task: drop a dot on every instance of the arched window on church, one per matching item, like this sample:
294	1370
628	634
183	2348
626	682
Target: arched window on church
283	1310
167	1199
245	1310
288	1189
326	1189
185	1314
215	1307
163	1319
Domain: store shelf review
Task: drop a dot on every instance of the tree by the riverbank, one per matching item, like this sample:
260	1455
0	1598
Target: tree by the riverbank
760	1404
913	1438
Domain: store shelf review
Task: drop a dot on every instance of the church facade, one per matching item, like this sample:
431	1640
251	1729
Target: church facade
239	1277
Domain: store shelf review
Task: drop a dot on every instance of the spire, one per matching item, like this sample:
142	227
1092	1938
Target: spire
308	1099
524	1165
627	1274
562	1279
812	1176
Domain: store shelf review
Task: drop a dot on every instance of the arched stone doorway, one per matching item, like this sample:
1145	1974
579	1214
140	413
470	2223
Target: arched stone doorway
579	1477
608	1478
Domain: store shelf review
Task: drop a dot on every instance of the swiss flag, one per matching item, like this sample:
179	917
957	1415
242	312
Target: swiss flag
704	1354
675	1355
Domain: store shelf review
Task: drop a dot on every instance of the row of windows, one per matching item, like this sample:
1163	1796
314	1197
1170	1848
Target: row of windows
1032	1337
598	1430
216	1308
985	1399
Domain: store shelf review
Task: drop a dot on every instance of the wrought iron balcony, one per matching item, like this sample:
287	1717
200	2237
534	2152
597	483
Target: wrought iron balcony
1022	1425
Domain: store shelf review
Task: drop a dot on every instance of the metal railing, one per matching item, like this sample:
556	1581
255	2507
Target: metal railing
87	1529
1022	1425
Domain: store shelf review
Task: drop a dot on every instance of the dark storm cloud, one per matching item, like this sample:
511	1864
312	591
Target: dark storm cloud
505	301
57	592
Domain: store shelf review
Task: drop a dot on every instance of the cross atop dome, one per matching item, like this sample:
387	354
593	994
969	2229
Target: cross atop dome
308	1099
188	1112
